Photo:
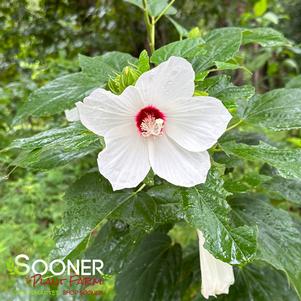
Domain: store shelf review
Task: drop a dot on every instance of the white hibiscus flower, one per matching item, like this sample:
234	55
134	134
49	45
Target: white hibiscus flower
217	276
157	124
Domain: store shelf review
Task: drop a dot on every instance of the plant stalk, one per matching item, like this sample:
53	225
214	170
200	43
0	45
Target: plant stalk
150	23
234	125
152	35
150	28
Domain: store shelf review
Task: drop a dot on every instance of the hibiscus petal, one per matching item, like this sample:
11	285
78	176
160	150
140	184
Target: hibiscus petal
217	276
72	115
175	164
197	123
124	162
166	82
102	110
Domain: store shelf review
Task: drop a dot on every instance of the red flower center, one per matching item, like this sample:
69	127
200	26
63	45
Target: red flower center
150	121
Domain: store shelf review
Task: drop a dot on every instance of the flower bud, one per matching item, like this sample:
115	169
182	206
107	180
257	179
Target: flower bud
127	77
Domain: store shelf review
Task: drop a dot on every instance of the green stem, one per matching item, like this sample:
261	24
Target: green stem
6	177
150	23
146	17
150	28
139	189
152	35
234	125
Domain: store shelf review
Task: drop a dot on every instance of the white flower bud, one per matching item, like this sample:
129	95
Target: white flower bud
217	276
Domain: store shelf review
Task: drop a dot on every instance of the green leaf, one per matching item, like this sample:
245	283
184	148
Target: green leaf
247	183
63	92
287	161
259	61
182	48
56	147
143	62
275	110
169	202
141	212
206	208
272	18
194	32
230	66
113	244
220	86
295	82
259	282
106	65
57	95
190	279
260	7
117	239
138	3
89	202
155	7
280	188
220	45
264	36
74	132
226	66
201	76
279	240
182	31
152	271
294	141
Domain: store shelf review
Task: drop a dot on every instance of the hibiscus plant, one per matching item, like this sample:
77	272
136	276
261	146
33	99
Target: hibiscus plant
188	193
